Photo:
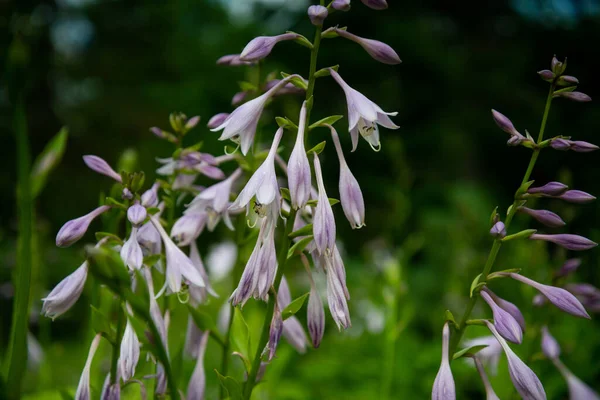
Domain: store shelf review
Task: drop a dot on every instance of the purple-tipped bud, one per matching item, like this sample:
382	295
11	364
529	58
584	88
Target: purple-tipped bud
216	120
136	214
376	49
549	189
100	166
274	333
504	123
238	98
341	5
550	346
566	240
74	229
567	80
508	307
317	14
560	144
523	378
376	4
192	122
498	231
575	96
260	47
583	147
131	252
315	317
555	65
443	386
568	267
557	296
505	324
576	196
150	196
546	75
546	217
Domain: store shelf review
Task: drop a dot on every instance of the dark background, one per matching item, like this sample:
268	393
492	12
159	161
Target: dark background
109	70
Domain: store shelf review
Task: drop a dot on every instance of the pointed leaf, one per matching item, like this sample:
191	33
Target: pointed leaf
47	160
294	306
233	388
304	231
469	351
299	246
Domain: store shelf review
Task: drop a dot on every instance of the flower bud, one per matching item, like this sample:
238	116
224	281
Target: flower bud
150	196
568	267
100	166
443	386
136	214
549	189
238	98
498	231
341	5
192	122
504	323
504	123
575	96
508	307
560	144
567	80
376	4
126	194
317	14
558	67
217	120
550	346
197	385
188	227
376	49
83	388
131	252
232	60
576	196
315	317
299	168
546	217
566	240
324	228
274	333
130	353
583	147
74	229
557	296
66	293
260	47
546	75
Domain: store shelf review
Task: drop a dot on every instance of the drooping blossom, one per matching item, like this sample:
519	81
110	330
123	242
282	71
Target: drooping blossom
507	126
363	115
550	346
200	294
293	331
131	252
504	323
130	352
261	46
315	316
376	49
323	221
275	331
66	293
299	168
83	388
443	386
197	385
74	229
566	240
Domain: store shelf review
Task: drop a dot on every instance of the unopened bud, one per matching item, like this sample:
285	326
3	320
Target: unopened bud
560	144
317	14
583	147
341	5
549	189
567	80
498	231
546	75
575	96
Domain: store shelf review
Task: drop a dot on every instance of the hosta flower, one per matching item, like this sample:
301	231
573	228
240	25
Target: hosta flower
557	296
130	352
136	214
508	307
337	292
66	293
261	46
489	391
100	166
507	126
498	231
546	217
150	196
568	267
200	294
504	323
443	386
323	220
111	392
523	378
83	388
363	115
197	385
317	14
263	183
293	331
299	167
550	346
217	120
131	252
350	194
74	229
566	240
315	317
341	5
376	49
187	228
240	125
577	197
274	333
178	264
549	189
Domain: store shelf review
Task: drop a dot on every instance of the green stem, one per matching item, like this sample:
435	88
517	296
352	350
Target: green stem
116	350
264	336
17	350
460	330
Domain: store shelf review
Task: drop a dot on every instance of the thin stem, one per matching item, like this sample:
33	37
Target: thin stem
498	243
17	350
117	346
264	336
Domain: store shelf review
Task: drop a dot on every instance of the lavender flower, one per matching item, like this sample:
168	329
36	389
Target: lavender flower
583	147
578	390
376	4
337	293
315	317
150	197
545	217
178	264
111	392
74	229
376	49
261	46
504	322
299	168
577	197
323	220
507	126
443	386
489	391
546	75
549	189
238	98
575	96
317	14
509	307
263	183
100	166
550	346
560	144
274	333
341	5
130	352
187	228
83	388
350	194
232	60
197	385
217	120
66	293
568	241
363	115
131	252
292	328
568	267
557	296
200	294
524	379
498	231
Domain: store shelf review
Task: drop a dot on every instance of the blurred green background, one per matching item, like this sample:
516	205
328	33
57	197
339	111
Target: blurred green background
109	70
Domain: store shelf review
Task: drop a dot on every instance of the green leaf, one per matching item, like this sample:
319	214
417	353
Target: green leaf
565	90
47	160
299	246
332	119
233	388
313	202
330	33
494	216
246	362
109	201
285	193
503	274
469	351
285	123
111	237
325	71
301	40
202	319
138	181
294	306
152	259
450	317
305	230
101	324
474	284
519	235
296	81
318	148
240	334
